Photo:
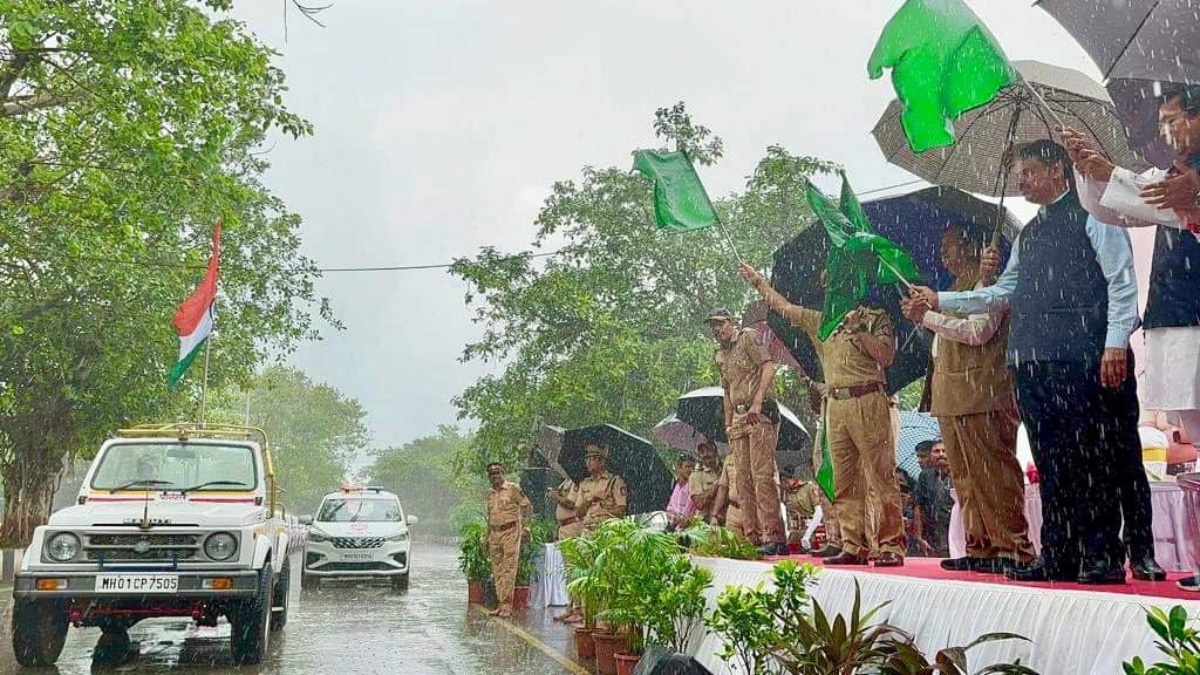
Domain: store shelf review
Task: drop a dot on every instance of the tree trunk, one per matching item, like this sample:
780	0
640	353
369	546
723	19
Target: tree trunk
30	481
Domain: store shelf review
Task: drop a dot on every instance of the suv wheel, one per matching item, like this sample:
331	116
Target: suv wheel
282	594
250	622
39	629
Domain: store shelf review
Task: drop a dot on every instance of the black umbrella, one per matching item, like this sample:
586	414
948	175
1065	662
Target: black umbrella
703	410
630	457
915	222
536	479
1138	45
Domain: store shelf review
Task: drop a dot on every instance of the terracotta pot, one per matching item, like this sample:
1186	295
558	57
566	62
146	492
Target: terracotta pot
626	663
607	646
585	646
476	590
521	597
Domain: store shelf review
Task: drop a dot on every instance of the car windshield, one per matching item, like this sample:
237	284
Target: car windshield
346	510
176	466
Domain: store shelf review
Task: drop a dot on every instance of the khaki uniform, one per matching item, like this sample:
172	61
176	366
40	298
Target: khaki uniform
703	487
733	505
860	432
974	403
600	497
569	524
801	504
504	508
752	445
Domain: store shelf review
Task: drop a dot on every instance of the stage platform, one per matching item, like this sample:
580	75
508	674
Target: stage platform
1075	629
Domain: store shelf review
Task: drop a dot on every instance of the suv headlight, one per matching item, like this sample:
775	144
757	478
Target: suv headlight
403	536
220	546
63	547
313	535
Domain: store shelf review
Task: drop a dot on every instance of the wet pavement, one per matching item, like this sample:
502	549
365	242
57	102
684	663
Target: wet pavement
341	628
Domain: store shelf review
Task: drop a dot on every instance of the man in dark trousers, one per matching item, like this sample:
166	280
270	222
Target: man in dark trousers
1073	296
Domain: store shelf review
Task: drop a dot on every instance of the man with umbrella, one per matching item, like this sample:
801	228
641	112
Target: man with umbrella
1073	298
751	426
971	394
855	358
602	496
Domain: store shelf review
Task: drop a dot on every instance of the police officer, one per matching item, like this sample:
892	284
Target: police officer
602	496
565	498
704	479
507	508
855	358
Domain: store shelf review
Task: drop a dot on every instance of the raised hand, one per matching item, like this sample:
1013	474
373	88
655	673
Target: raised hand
989	263
914	309
926	295
1180	192
750	274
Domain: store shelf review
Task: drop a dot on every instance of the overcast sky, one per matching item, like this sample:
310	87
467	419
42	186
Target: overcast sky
440	127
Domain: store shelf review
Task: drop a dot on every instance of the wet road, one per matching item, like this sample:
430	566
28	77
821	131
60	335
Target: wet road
342	628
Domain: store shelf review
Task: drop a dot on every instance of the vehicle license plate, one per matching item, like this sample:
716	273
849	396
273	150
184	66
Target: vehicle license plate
137	583
358	556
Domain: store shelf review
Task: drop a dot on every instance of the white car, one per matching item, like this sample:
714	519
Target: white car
358	533
171	520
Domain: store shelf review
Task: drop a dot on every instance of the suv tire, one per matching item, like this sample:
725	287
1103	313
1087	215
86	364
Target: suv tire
283	593
39	630
250	622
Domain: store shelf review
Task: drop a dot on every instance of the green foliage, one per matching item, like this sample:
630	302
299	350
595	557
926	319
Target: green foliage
610	329
126	129
1179	641
716	541
472	561
541	532
422	473
314	430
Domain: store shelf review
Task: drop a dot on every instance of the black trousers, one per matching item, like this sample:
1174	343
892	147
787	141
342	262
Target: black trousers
1085	443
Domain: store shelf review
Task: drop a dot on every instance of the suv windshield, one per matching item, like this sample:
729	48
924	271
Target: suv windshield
175	466
349	509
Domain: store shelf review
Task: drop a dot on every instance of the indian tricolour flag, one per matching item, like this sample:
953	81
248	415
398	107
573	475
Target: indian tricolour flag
194	320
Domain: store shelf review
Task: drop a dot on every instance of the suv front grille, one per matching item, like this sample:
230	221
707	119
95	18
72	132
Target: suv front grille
357	542
138	547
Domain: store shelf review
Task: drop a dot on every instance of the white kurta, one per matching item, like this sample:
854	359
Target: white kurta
1172	380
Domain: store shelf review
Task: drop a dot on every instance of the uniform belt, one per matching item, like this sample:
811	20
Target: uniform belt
503	528
568	521
855	391
733	503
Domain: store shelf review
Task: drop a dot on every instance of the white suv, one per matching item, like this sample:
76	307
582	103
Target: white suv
358	533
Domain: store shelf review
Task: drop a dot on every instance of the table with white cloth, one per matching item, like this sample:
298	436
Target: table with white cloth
1167	501
552	582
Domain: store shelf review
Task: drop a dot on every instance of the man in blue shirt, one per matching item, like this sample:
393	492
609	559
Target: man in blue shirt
1073	296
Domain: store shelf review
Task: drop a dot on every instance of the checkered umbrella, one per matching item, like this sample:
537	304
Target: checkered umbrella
915	427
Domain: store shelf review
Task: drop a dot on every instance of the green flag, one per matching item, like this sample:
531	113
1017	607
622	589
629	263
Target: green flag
680	202
944	62
825	472
857	257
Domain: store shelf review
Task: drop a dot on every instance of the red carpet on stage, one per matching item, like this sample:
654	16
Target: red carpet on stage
929	568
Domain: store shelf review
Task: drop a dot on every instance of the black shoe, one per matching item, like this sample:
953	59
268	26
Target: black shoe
844	558
1190	584
966	564
774	549
1101	573
1034	571
828	552
1147	569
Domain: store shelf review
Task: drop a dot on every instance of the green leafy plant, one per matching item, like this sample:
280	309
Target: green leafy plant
1178	640
541	531
579	557
715	541
472	560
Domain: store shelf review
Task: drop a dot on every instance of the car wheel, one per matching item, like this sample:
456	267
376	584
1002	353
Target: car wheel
39	630
114	645
283	592
250	623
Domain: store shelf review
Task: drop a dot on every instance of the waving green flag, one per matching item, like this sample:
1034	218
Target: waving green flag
944	62
680	202
857	258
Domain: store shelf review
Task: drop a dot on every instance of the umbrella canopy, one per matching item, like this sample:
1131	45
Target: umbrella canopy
915	428
1137	44
676	433
975	163
536	478
630	457
915	222
702	410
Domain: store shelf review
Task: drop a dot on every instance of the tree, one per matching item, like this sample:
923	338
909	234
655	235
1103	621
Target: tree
422	473
610	330
126	129
314	430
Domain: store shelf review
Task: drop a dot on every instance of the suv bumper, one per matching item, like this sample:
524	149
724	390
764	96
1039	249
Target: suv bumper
82	585
323	560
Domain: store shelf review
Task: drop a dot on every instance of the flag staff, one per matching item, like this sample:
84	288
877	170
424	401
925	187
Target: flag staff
204	383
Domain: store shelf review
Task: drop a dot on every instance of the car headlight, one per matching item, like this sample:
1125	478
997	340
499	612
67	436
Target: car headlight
63	547
403	536
313	535
220	546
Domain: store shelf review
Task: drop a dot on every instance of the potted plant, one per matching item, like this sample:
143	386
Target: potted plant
714	541
473	562
579	556
667	612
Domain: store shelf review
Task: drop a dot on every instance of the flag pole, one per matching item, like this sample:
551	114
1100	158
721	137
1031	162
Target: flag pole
204	384
729	240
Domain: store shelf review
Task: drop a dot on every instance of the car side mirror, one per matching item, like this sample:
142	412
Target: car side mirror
413	520
306	520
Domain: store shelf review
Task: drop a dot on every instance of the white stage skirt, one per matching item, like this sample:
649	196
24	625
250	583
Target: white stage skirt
1072	632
